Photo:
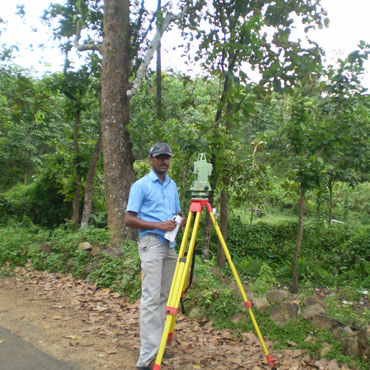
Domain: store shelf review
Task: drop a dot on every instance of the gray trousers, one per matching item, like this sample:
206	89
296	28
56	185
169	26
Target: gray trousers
158	263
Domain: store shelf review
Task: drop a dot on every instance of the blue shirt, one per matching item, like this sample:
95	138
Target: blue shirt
154	201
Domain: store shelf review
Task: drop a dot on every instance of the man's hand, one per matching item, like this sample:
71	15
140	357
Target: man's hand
167	225
132	220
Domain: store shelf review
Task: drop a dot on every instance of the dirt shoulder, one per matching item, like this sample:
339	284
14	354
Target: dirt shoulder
93	328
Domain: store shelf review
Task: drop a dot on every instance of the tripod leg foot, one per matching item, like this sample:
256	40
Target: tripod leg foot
271	361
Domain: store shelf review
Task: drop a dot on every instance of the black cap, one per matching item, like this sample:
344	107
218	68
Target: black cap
160	148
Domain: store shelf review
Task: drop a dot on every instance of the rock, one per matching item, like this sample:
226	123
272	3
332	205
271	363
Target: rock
277	296
310	339
326	347
322	363
311	300
114	252
261	304
348	331
333	365
323	322
345	367
313	310
95	251
284	312
350	346
364	342
341	332
85	246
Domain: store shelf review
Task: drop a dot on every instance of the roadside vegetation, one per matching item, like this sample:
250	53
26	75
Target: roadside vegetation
334	262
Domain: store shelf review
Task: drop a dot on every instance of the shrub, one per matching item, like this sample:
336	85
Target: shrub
40	202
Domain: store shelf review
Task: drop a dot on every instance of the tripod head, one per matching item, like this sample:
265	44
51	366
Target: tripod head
200	187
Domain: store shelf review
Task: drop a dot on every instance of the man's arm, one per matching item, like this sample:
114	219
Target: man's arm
132	220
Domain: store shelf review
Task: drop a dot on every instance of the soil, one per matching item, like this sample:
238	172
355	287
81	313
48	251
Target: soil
93	328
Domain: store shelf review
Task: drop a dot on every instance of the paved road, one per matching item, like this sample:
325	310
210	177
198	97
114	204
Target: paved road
16	354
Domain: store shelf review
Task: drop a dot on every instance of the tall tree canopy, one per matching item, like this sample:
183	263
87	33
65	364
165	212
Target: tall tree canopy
236	34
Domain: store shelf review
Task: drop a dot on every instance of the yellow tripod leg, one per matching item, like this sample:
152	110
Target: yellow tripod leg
176	275
177	287
247	303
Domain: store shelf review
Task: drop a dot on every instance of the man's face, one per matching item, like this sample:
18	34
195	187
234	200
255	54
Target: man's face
160	164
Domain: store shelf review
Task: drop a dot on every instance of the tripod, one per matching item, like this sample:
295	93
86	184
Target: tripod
181	275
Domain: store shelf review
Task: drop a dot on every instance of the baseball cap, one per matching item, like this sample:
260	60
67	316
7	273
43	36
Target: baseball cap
160	148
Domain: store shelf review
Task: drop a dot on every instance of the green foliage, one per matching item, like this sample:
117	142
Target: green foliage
58	251
119	274
265	281
330	255
213	292
261	240
359	201
31	118
40	202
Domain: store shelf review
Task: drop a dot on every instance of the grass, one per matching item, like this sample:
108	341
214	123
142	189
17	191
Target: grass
212	292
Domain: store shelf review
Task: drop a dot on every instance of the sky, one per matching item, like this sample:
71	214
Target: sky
349	23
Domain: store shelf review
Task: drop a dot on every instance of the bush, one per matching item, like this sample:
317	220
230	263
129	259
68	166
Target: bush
329	255
259	240
119	274
40	202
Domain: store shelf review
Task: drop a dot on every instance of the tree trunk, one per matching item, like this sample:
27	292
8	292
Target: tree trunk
185	173
208	223
159	70
206	237
224	201
117	148
76	195
299	240
89	183
330	186
224	218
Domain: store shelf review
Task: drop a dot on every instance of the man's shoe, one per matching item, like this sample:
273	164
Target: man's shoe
168	353
152	363
150	366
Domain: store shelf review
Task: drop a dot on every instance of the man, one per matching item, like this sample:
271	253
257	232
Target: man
153	202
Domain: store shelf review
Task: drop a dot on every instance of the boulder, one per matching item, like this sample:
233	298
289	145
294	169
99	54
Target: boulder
85	246
364	342
311	300
277	296
261	304
114	252
350	346
313	310
284	312
321	321
342	332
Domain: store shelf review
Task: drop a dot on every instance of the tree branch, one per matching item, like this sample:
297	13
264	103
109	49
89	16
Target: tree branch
149	54
84	47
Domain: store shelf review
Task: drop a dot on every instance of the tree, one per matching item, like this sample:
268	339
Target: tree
30	117
125	28
235	36
303	140
76	85
344	110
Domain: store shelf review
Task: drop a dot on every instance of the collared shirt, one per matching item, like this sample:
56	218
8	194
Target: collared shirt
154	201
